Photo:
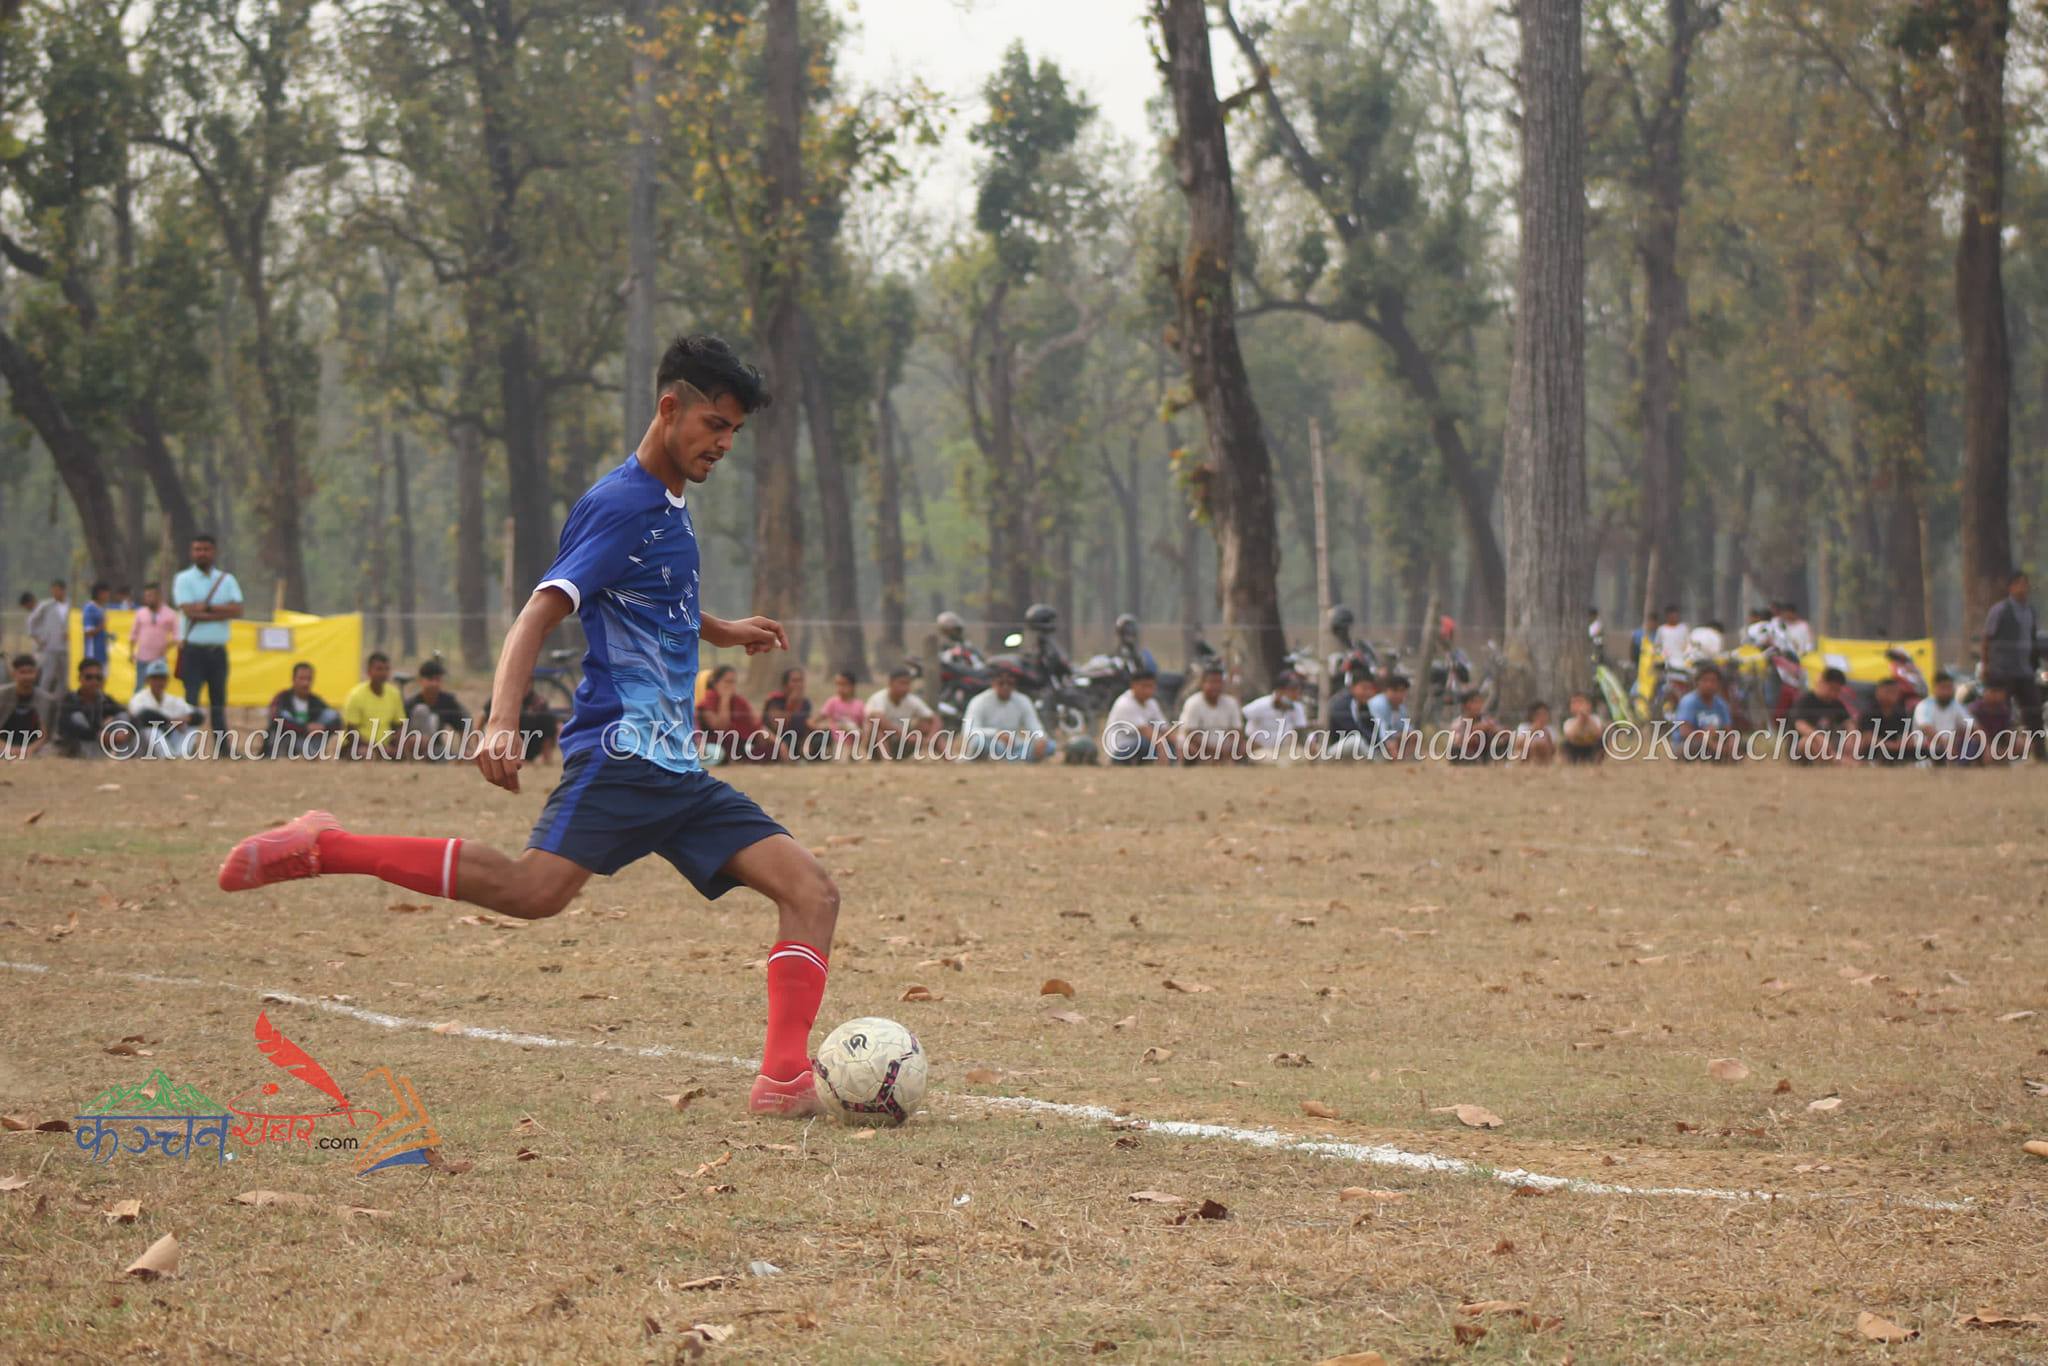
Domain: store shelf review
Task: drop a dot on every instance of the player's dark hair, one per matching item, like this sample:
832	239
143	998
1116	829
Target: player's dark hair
1395	681
794	671
709	366
27	599
1144	676
1706	669
377	657
99	586
205	536
1943	676
1538	705
24	662
846	674
2015	577
433	668
1834	676
900	672
302	664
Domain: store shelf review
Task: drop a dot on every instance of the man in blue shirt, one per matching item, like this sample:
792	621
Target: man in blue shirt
631	781
92	625
1390	712
208	599
1705	725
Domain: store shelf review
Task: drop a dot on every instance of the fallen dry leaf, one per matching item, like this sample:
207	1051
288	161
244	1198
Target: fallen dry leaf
160	1258
713	1165
1471	1116
917	993
1291	1060
13	1183
1156	1055
1191	988
1877	1329
1484	1307
2035	1146
17	1123
681	1100
1826	1104
1125	1023
259	1199
1379	1197
1315	1109
1727	1069
1989	1318
596	996
124	1211
983	1076
1067	1016
31	818
709	1283
1055	987
1155	1198
126	1050
448	1027
862	1133
1465	1334
1354	1359
2017	1015
482	920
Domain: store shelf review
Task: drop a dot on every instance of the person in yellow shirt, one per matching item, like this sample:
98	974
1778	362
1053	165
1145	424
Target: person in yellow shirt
375	710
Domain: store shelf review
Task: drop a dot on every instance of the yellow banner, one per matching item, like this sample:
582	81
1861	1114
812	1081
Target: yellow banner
260	655
1863	660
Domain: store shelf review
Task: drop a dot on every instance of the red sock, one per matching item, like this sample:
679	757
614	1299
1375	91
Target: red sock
418	865
796	984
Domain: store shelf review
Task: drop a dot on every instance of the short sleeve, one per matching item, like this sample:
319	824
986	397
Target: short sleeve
596	542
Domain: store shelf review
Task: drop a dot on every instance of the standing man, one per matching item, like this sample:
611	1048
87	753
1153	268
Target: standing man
2009	657
92	634
49	626
631	782
150	637
208	599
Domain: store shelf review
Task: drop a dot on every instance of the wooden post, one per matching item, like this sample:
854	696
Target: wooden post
1419	685
1323	640
509	575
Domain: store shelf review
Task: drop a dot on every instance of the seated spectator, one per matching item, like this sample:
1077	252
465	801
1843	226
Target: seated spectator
1888	728
434	711
1354	730
86	713
1211	723
374	713
1473	732
1390	710
300	718
726	724
1823	724
1993	715
1136	732
787	716
1002	723
538	725
1706	728
1584	733
165	717
1946	731
25	722
895	713
843	716
1269	720
1536	738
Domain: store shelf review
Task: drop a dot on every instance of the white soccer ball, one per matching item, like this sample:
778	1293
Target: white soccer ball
871	1071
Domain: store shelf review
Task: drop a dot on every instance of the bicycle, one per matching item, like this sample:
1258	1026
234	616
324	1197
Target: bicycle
556	682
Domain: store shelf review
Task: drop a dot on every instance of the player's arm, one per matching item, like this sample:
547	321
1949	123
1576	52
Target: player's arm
758	634
503	749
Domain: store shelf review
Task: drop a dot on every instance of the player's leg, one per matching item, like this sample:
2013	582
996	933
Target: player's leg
807	910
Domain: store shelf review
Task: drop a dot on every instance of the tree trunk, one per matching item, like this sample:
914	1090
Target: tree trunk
401	506
1545	464
285	487
845	641
471	574
1980	310
78	462
638	397
1734	611
778	505
173	503
889	524
1241	512
1009	565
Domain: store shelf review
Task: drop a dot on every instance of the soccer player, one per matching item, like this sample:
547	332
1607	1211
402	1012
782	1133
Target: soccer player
631	783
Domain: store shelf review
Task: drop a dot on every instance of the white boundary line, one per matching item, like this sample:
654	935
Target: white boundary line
1375	1154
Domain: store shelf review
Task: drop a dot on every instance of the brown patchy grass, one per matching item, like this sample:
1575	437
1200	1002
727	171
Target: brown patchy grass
1649	915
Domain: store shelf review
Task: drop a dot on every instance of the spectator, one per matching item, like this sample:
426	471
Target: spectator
1993	715
787	715
2010	655
1390	711
1824	724
1473	732
1707	642
1269	720
1211	723
726	723
1795	637
1002	723
25	724
124	599
373	712
895	713
208	598
1673	637
164	716
49	626
538	726
151	634
1536	738
434	711
1354	731
1944	726
92	633
1584	733
1706	728
1759	632
300	718
1888	727
86	712
842	716
1596	634
1136	732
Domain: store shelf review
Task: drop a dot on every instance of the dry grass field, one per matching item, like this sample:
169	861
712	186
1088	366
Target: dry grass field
1567	949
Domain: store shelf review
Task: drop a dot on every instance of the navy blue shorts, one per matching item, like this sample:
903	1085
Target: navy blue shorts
608	812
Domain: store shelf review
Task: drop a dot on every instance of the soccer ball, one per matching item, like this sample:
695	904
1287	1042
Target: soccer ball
871	1071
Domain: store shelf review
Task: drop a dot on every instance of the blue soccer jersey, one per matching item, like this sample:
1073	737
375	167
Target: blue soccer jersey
628	561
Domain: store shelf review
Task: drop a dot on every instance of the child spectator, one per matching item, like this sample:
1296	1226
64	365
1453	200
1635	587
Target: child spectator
1584	733
787	715
1536	738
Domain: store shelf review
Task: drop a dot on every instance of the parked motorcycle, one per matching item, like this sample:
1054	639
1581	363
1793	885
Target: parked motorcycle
1105	677
1043	674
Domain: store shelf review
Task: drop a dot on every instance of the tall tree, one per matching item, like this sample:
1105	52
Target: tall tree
1239	483
1545	465
641	227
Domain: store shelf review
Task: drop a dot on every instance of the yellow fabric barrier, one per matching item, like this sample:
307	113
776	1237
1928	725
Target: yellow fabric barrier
1864	661
260	655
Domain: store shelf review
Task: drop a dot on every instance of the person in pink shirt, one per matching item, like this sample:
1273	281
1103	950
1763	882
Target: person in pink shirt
842	713
149	639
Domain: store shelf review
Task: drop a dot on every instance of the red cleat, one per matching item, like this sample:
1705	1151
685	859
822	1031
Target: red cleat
792	1099
290	851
